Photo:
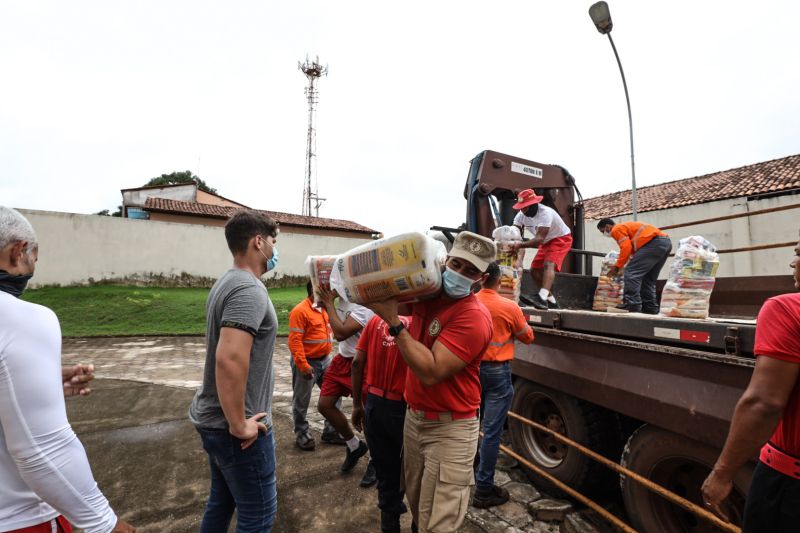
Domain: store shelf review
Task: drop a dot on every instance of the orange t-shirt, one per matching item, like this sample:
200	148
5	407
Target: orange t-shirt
631	236
309	334
508	323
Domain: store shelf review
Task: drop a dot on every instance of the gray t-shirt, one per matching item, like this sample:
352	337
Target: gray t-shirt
238	300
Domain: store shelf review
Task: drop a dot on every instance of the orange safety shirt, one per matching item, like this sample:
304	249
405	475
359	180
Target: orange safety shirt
309	334
631	236
508	323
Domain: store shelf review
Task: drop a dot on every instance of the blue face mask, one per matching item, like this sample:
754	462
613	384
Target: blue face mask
456	286
273	262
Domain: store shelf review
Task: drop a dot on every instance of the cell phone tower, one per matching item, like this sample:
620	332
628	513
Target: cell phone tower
313	70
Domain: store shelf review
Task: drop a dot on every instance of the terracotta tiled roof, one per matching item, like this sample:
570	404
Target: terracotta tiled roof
761	178
164	205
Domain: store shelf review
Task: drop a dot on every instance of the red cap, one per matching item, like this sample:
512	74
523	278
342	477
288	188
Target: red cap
527	198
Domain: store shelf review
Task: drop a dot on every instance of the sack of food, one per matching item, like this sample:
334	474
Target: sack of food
687	293
609	289
407	267
510	261
319	270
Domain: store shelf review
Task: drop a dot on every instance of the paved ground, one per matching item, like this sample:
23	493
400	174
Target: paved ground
148	459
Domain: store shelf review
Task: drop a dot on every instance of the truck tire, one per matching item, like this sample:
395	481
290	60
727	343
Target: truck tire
583	422
681	465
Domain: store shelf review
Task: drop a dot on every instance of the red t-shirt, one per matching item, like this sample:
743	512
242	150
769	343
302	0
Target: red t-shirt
778	336
465	328
386	368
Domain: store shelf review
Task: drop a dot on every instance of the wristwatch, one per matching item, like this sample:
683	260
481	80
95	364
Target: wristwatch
394	331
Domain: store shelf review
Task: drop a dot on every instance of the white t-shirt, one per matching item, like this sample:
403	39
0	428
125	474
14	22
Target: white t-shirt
41	458
545	218
360	314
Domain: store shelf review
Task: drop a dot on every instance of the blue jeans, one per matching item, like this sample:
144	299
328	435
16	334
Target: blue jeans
496	395
241	480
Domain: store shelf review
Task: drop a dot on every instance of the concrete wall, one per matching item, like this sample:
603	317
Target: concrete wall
769	228
75	249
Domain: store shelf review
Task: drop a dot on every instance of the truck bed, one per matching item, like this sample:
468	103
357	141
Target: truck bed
720	335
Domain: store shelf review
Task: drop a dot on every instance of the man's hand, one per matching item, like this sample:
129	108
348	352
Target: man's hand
613	272
516	246
76	379
123	527
308	374
248	432
386	309
358	417
326	297
715	489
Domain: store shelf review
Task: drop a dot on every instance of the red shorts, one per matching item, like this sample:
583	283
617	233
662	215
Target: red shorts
553	251
337	381
61	526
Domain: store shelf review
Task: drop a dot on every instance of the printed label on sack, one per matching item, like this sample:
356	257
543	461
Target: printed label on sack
528	170
394	255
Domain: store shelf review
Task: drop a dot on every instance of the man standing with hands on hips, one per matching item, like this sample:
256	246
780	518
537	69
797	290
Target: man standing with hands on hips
443	349
232	408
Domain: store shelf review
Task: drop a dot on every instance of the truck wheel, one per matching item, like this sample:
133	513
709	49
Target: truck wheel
583	422
681	465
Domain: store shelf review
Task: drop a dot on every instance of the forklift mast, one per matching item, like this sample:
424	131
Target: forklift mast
495	180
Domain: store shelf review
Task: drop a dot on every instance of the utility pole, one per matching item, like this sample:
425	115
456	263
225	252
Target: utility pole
313	70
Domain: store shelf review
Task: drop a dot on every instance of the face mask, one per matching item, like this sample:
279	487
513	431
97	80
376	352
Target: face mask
532	210
271	262
607	234
13	284
456	286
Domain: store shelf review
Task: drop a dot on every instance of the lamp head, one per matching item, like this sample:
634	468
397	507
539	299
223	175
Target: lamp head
601	17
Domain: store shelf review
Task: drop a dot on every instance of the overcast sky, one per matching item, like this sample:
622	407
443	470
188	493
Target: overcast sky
100	96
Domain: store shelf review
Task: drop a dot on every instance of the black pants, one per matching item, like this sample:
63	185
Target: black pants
384	420
773	503
641	273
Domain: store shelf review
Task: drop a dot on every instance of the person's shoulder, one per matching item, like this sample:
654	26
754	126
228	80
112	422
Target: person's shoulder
299	308
13	308
789	302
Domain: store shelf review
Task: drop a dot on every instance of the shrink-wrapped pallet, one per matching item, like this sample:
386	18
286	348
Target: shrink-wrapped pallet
510	261
407	267
319	270
609	289
691	279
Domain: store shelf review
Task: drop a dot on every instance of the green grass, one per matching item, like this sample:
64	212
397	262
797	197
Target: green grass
102	310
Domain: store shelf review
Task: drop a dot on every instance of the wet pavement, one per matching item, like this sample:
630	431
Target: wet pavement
148	459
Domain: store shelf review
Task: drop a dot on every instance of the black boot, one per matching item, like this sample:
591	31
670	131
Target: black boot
390	522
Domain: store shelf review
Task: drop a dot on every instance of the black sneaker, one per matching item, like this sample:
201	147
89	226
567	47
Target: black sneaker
305	442
650	310
538	302
490	498
352	458
333	438
631	308
370	477
390	522
553	305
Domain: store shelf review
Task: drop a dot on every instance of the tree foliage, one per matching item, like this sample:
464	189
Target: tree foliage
181	177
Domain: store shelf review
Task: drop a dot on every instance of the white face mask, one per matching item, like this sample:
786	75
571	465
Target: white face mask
607	234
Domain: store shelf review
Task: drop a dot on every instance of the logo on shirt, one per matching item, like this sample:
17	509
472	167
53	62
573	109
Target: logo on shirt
435	328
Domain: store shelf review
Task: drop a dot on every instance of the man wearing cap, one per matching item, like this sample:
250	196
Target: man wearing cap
443	349
551	236
647	248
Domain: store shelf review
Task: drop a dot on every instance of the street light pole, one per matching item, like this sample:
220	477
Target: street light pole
601	17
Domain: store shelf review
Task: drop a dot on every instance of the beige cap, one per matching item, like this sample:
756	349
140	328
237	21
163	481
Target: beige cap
477	249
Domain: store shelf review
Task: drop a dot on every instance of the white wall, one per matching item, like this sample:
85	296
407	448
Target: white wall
74	248
769	228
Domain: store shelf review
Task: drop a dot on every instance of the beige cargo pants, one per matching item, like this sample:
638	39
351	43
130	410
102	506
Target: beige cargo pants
437	470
